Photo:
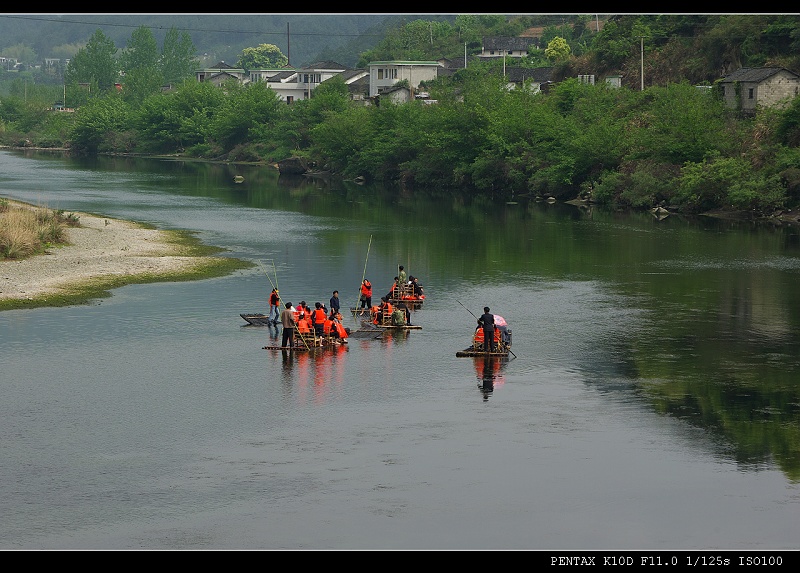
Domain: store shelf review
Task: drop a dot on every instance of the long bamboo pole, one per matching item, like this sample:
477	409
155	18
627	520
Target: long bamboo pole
275	286
363	275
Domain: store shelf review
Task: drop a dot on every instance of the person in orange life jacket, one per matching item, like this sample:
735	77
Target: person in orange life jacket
304	325
477	339
303	309
274	302
366	294
318	316
384	311
487	322
395	290
288	322
334	328
327	326
339	329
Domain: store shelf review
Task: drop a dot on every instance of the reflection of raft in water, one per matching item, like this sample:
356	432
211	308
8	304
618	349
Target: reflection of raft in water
368	324
502	342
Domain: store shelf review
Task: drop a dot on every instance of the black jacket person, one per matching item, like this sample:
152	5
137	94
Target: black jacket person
487	322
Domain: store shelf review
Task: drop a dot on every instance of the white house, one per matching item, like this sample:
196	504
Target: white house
512	46
298	84
219	73
383	75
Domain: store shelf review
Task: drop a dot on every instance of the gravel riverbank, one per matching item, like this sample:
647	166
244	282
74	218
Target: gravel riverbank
100	250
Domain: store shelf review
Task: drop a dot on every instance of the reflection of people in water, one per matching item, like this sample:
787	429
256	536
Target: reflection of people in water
487	377
489	372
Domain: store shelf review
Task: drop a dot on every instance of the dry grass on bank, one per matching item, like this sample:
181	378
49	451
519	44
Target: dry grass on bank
27	231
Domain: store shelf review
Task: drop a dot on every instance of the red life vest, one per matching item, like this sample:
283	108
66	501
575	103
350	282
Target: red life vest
366	288
478	339
304	326
319	316
340	329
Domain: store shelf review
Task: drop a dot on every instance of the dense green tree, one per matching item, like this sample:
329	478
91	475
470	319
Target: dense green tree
140	64
557	49
682	124
245	106
263	56
99	122
468	29
788	129
180	119
178	61
95	64
340	139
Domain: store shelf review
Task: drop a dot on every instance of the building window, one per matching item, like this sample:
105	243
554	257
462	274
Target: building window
289	100
392	74
380	73
750	93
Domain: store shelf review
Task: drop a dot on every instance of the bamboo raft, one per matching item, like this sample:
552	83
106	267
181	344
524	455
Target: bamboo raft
480	352
310	342
256	319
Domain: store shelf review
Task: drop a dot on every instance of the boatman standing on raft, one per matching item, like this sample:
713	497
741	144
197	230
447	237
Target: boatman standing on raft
487	322
274	311
288	322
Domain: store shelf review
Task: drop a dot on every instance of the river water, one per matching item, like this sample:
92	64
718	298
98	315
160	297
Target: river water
652	402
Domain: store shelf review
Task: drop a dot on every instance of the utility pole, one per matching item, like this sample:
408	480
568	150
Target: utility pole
642	73
288	47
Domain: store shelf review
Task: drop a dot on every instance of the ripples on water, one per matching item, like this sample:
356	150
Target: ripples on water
155	419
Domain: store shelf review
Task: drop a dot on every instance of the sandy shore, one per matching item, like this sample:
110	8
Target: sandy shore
99	249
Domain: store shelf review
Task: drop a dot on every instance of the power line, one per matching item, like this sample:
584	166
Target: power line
217	31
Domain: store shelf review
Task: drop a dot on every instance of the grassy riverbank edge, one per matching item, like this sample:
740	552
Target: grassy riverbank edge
84	290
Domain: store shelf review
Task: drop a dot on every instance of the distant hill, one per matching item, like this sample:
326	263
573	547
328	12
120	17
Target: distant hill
305	38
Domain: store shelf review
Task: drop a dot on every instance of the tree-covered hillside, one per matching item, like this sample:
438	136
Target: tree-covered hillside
216	36
660	142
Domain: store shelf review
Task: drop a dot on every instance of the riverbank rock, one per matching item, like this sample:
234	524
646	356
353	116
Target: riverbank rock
293	166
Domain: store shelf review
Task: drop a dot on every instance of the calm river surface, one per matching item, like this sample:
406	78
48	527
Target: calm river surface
653	403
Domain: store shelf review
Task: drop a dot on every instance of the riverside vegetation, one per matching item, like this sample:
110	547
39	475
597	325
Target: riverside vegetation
669	145
27	231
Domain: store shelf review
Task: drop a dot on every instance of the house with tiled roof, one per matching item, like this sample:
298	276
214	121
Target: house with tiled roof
748	88
357	82
220	72
507	46
534	79
266	74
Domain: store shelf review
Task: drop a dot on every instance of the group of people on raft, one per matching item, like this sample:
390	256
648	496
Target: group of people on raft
404	288
388	314
393	309
316	325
